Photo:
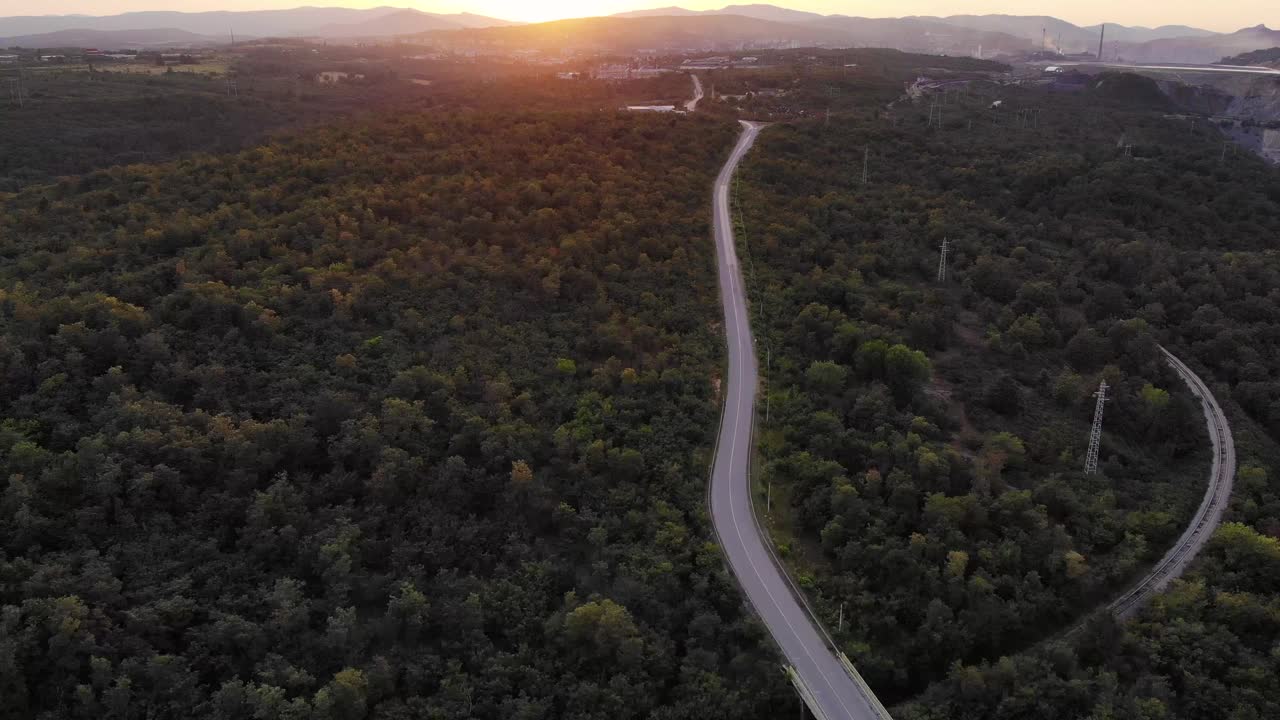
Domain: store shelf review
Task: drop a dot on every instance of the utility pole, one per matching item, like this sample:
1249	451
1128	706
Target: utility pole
866	161
768	377
840	624
1095	435
942	261
1101	37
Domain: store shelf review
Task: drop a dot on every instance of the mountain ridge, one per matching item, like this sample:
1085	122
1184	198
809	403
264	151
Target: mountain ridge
292	22
135	38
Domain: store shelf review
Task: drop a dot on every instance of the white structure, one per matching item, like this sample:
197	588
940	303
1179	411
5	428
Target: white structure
1095	435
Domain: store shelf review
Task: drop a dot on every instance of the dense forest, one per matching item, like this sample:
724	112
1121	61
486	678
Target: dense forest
402	418
409	414
923	439
794	84
72	122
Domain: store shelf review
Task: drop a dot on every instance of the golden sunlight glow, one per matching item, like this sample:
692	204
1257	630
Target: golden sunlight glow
1223	16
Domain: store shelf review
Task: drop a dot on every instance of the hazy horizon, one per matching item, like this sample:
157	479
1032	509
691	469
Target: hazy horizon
1224	17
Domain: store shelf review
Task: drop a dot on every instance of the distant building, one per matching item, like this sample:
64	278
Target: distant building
613	72
335	76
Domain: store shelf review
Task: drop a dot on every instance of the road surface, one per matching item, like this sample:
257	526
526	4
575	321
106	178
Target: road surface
1222	473
1237	69
692	105
835	691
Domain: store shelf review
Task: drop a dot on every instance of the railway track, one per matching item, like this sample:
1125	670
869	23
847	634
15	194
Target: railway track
1207	517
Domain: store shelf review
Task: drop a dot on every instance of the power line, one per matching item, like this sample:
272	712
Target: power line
16	89
1095	435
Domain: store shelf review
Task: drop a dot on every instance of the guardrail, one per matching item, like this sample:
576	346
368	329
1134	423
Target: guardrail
862	685
803	601
806	695
766	540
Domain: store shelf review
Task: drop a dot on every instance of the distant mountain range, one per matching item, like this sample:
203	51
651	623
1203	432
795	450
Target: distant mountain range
760	12
725	30
1008	34
1268	57
1034	28
669	28
166	27
757	25
1201	49
636	34
83	38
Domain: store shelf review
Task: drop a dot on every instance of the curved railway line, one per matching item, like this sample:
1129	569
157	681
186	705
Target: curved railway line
1207	517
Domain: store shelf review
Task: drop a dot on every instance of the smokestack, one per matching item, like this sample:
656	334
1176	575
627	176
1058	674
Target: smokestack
1101	37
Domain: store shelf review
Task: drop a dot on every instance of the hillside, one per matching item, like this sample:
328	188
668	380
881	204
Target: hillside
772	13
923	35
924	443
1208	49
715	31
407	417
303	21
1123	33
1270	57
630	34
995	32
393	23
1064	36
81	37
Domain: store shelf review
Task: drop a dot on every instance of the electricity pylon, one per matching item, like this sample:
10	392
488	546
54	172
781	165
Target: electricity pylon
1095	435
942	261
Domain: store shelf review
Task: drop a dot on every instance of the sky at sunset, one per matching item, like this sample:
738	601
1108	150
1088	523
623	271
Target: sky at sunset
1222	16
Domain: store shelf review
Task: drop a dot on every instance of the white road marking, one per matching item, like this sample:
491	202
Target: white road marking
734	298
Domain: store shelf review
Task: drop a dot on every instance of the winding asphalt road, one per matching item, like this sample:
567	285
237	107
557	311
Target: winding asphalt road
691	105
833	686
1222	473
